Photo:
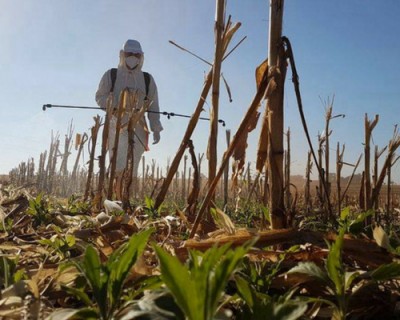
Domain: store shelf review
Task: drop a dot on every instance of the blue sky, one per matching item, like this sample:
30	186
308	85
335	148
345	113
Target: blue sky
57	51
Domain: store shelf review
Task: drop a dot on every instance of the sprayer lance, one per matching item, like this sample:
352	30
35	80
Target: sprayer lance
164	113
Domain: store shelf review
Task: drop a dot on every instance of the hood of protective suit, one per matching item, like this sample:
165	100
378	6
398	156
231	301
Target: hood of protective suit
131	46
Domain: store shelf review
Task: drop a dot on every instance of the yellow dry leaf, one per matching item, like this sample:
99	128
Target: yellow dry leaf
182	217
33	287
11	307
260	71
223	221
68	276
239	153
78	139
382	238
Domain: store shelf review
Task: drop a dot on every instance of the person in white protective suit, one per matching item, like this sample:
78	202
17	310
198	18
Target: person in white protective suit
129	75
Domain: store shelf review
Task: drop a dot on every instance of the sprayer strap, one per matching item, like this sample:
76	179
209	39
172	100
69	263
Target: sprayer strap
113	78
146	80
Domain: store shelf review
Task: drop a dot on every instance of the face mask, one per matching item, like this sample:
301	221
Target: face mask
132	62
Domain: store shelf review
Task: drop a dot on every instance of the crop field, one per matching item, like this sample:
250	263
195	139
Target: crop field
69	251
205	238
66	257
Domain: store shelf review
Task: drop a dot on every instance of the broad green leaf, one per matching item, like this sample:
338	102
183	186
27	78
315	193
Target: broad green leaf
223	271
70	240
81	295
199	268
178	280
267	214
149	202
318	300
334	262
245	291
150	283
349	278
122	264
312	270
386	272
203	281
96	276
357	225
290	310
19	275
92	267
7	268
45	242
344	214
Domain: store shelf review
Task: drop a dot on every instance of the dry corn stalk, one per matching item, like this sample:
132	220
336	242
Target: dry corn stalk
192	123
287	171
394	144
252	188
216	74
67	151
41	171
134	117
93	138
351	177
377	155
113	165
52	164
328	132
194	194
262	151
184	177
339	166
226	172
389	198
277	66
242	128
271	139
102	157
79	142
321	195
369	126
143	176
307	189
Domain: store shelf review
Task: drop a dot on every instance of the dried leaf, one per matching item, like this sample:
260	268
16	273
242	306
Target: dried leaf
33	287
260	71
67	276
11	307
239	153
78	138
194	193
263	143
228	90
223	221
19	289
382	238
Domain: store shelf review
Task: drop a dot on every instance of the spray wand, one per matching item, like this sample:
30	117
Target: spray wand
164	113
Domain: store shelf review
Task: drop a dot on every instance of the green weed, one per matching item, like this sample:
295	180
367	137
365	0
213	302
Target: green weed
198	287
106	280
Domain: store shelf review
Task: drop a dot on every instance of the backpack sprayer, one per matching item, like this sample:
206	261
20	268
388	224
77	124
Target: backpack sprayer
164	113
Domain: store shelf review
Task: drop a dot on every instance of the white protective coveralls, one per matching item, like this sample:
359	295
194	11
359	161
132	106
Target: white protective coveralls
134	80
